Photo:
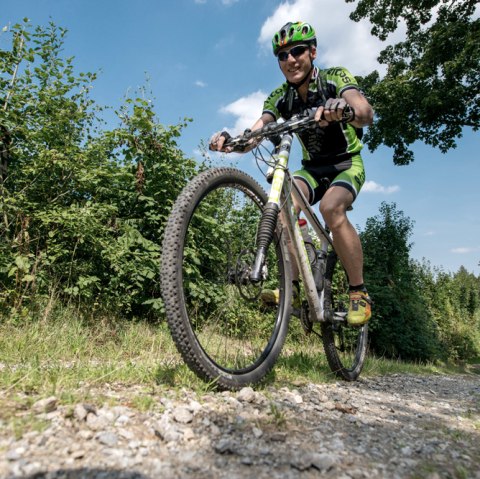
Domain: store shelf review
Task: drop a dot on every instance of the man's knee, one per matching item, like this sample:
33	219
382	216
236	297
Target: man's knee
333	214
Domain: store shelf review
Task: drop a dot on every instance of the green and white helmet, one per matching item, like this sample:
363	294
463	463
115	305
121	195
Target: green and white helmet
293	33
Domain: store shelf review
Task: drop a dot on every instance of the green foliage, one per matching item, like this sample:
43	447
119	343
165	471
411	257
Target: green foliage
453	302
430	90
82	209
82	212
401	327
418	314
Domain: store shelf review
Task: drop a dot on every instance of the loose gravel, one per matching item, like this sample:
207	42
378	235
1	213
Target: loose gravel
397	426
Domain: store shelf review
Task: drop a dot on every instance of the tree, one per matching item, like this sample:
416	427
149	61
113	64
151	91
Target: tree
401	326
431	89
452	302
82	209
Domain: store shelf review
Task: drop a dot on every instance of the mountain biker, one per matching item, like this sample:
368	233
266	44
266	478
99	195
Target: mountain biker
332	168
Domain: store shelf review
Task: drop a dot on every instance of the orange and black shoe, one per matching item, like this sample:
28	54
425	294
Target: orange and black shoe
271	297
360	310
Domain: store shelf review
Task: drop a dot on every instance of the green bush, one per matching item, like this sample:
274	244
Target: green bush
82	208
417	314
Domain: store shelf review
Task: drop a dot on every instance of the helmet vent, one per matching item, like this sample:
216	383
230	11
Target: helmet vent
292	33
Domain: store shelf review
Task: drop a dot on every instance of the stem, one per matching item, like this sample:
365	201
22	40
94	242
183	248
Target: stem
12	82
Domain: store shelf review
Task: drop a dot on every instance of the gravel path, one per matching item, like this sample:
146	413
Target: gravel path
398	426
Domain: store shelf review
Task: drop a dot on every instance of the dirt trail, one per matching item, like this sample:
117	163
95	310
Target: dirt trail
398	426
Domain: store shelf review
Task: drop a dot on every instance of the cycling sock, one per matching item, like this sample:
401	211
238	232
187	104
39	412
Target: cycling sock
360	287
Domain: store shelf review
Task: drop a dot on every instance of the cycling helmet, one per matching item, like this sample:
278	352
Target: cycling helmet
293	33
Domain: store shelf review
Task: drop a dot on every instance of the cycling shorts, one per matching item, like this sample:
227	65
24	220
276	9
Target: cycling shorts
349	173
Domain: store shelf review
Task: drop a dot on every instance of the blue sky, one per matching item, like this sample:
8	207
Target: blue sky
210	60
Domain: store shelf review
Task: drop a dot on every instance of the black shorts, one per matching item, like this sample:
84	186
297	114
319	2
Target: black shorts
349	173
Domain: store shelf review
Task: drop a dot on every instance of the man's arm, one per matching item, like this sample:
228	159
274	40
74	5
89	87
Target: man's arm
363	109
218	139
334	107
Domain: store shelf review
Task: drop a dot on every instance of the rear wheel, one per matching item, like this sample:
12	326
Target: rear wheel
220	326
345	346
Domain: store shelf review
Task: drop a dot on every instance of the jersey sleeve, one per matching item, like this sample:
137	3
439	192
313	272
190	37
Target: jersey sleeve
271	104
340	79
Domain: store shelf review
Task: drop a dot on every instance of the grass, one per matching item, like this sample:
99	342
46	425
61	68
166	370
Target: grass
68	356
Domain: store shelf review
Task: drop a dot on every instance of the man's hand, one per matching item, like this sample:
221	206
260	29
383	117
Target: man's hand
331	112
218	140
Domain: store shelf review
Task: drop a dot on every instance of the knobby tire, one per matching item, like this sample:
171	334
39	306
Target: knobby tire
345	346
220	326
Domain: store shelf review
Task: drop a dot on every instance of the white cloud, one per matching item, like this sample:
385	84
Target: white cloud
341	42
247	109
200	84
464	250
373	187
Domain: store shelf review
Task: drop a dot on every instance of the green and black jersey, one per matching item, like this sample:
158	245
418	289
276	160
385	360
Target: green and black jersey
326	146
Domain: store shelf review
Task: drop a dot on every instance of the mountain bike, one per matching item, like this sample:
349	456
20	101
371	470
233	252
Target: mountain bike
225	243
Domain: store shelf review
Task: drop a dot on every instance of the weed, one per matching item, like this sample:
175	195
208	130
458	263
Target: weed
278	416
27	423
144	402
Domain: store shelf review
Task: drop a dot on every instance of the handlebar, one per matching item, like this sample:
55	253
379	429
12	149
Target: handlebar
272	130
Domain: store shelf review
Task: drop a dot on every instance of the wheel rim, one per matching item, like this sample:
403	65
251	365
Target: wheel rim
234	328
345	344
349	346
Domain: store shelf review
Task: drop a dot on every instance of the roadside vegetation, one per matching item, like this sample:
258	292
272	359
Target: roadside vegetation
69	355
82	211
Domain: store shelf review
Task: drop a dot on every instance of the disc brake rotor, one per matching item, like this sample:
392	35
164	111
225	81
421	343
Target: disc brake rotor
248	290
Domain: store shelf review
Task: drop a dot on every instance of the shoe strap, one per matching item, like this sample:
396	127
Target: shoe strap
363	295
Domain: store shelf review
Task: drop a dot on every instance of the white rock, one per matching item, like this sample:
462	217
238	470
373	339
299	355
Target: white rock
45	405
182	415
246	394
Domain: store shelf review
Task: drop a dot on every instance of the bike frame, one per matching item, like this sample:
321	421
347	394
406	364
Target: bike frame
281	192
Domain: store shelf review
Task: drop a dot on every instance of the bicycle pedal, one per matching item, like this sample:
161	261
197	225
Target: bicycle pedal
340	317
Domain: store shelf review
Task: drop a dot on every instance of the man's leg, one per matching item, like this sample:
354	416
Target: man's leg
333	208
347	244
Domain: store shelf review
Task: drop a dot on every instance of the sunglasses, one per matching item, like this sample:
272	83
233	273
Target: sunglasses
295	52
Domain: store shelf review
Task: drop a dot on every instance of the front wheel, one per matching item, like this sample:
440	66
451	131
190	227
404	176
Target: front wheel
345	346
223	330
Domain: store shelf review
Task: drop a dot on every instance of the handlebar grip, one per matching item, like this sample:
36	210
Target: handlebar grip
348	114
226	135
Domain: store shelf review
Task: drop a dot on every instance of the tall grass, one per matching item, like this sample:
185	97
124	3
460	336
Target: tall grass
71	353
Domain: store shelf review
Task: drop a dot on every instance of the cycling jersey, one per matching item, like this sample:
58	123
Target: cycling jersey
331	154
332	144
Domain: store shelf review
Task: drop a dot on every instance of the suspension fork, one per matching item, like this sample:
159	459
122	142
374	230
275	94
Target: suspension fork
268	222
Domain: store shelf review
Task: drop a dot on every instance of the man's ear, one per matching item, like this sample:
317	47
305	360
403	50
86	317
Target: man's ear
313	52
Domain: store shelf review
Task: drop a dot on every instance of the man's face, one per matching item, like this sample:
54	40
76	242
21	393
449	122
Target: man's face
296	61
